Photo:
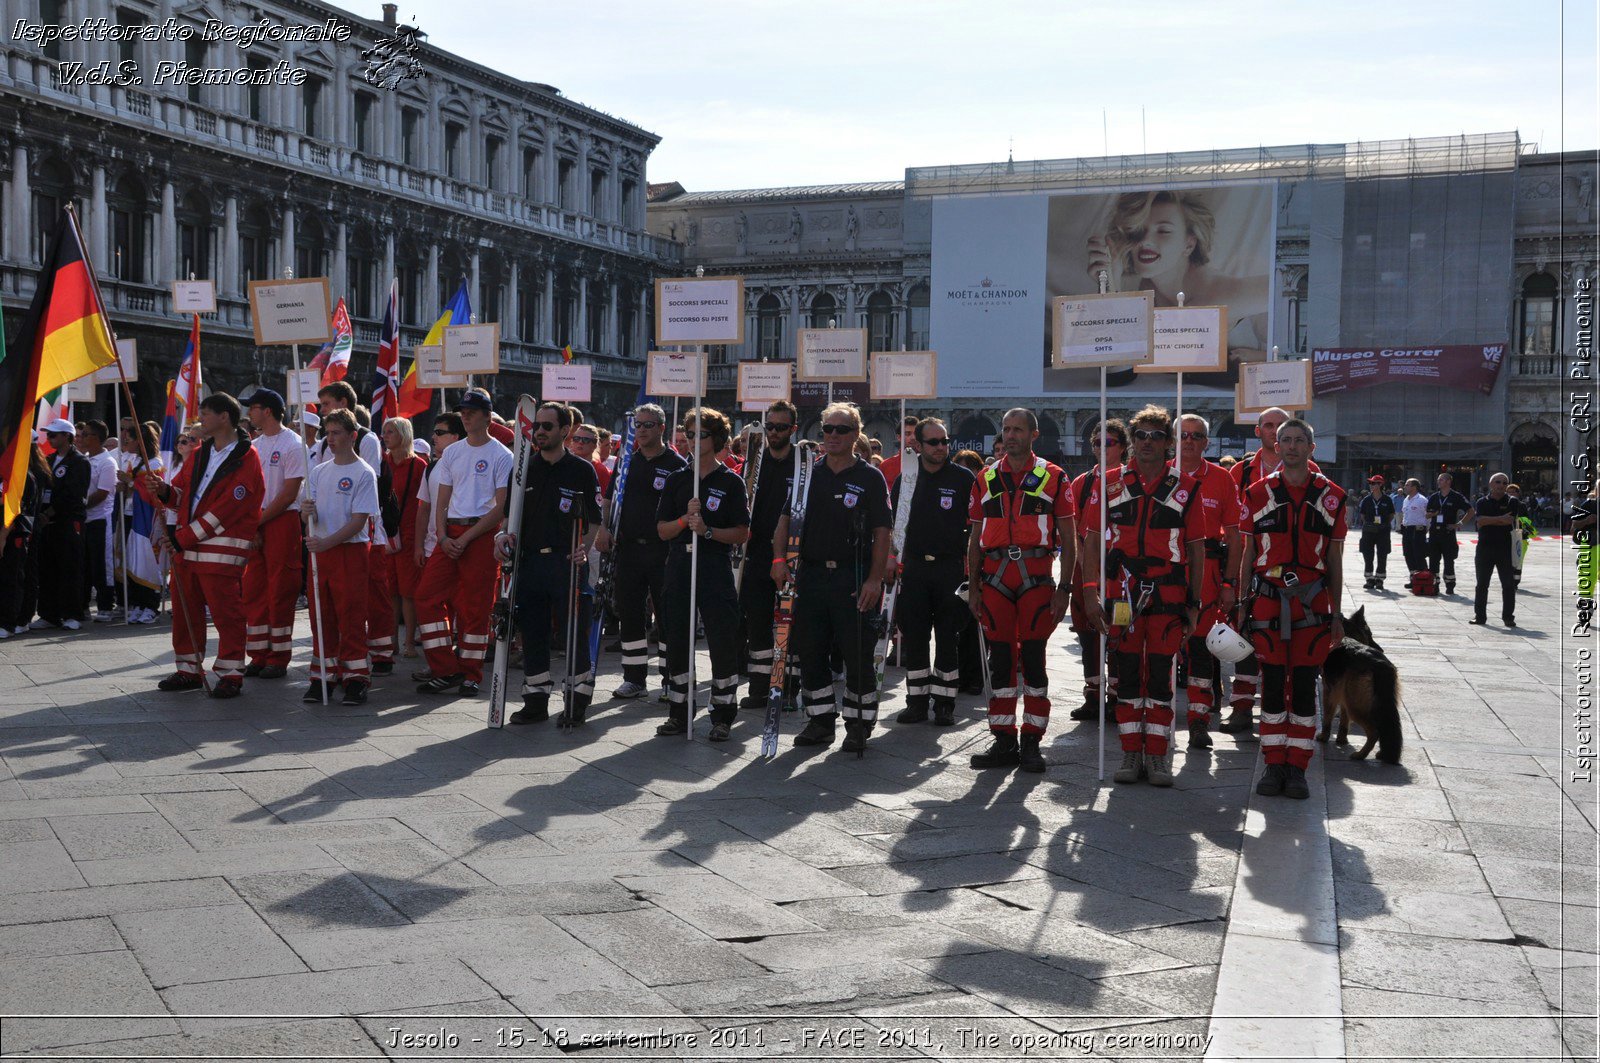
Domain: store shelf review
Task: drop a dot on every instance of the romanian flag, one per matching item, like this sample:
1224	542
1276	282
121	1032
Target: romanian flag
566	354
66	335
415	400
386	379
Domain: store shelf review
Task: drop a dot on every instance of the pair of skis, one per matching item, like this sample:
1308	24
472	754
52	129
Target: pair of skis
783	609
910	466
608	561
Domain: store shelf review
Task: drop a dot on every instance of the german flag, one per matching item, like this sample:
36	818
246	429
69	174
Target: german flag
65	335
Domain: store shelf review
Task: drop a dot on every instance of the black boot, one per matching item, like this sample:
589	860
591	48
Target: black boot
1238	722
577	710
818	731
1199	737
1272	780
1001	754
1028	755
916	710
856	733
944	712
535	709
1295	784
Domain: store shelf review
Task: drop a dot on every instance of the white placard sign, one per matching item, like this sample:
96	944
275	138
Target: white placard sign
1103	330
753	407
1242	416
127	354
472	350
430	369
695	310
284	312
1189	339
671	375
569	383
1286	385
823	354
300	386
81	389
905	375
763	383
194	297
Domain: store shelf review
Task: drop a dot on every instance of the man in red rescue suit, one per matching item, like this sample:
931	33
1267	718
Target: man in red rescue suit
1294	547
1022	512
1219	506
217	498
1247	673
1109	442
1155	556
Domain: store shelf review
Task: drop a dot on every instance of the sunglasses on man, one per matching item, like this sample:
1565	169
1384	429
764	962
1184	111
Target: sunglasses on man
587	440
837	429
778	426
647	424
1151	433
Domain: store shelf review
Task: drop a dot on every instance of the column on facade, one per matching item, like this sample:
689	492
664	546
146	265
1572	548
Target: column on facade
21	205
166	251
476	289
641	320
476	170
614	190
344	106
611	338
582	197
795	320
580	315
339	275
514	302
99	223
547	316
228	283
850	319
430	285
388	261
286	257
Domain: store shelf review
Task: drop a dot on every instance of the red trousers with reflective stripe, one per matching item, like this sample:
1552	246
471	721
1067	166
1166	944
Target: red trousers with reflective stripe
272	582
1015	631
380	605
1142	662
339	636
193	592
462	588
1202	666
1289	722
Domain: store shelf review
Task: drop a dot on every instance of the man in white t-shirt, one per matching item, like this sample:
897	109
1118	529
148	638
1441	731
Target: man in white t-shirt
341	500
1414	526
98	587
273	577
471	478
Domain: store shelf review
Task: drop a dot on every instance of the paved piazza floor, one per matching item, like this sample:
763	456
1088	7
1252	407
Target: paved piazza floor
187	877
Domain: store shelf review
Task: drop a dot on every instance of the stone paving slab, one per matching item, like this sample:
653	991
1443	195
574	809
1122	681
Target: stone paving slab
171	856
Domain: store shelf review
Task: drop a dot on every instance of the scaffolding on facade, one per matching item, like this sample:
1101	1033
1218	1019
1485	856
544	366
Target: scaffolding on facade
1474	153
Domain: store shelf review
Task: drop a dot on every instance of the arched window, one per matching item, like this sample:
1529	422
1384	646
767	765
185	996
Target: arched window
595	328
53	189
197	237
531	303
824	308
257	248
880	322
566	308
361	265
769	328
310	247
1539	295
918	326
132	229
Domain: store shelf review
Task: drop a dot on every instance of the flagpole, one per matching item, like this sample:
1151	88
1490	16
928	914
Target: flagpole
144	456
122	530
1101	489
318	643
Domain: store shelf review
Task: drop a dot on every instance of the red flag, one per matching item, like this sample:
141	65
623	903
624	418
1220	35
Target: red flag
386	380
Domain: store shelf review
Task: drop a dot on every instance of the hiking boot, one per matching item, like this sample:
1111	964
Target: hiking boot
1272	780
720	732
383	668
180	681
535	709
1132	766
1087	711
1238	722
252	670
1159	768
1295	785
628	691
753	703
818	731
230	686
1449	586
1002	753
273	671
313	694
1199	736
944	713
672	726
913	714
856	733
355	692
1028	756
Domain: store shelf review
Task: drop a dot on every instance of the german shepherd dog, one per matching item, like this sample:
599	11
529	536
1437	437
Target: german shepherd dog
1359	682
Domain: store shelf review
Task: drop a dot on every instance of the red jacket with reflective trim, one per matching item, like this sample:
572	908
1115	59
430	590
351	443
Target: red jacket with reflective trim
1026	516
215	529
1149	528
1288	531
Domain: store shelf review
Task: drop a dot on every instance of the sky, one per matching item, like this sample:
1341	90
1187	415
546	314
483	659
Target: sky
763	93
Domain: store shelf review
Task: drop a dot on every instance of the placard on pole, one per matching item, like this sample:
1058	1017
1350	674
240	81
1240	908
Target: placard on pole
291	311
472	350
566	383
194	297
763	383
671	374
696	310
430	368
1089	331
904	375
1262	385
831	355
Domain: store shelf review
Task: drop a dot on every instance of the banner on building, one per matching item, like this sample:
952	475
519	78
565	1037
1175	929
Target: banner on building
1467	366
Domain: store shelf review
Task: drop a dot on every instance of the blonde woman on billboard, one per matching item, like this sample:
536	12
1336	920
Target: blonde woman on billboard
1162	242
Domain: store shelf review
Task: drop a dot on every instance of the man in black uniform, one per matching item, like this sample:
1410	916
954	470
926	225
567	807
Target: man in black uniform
561	488
717	513
843	552
757	593
1377	518
933	566
1447	509
641	555
1498	512
61	557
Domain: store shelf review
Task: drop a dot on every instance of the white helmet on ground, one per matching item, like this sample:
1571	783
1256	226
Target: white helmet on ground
1226	644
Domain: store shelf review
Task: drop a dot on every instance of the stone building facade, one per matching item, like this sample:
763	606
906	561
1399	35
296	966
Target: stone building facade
463	173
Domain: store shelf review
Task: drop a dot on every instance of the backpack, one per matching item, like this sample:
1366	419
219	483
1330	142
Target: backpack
1423	584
